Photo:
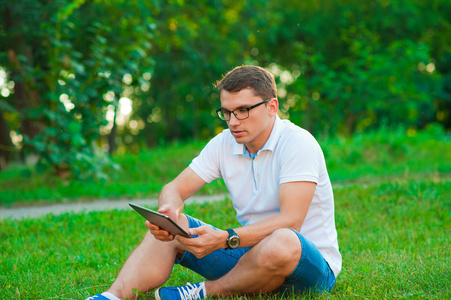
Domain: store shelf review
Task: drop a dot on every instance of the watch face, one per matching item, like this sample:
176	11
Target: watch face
233	242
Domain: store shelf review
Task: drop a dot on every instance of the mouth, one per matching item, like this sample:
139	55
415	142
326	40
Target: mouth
238	133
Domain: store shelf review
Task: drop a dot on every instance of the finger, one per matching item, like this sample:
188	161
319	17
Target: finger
182	239
151	226
162	236
198	230
161	233
186	242
164	209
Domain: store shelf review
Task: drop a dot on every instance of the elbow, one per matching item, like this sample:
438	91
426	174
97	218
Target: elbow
295	221
294	224
296	227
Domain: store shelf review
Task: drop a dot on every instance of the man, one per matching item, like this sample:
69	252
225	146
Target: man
278	182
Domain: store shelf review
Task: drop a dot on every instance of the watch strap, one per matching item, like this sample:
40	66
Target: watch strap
231	232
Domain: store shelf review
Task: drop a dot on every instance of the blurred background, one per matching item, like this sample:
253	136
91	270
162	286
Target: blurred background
81	80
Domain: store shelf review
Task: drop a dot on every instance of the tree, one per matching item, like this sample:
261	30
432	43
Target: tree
352	65
341	67
64	56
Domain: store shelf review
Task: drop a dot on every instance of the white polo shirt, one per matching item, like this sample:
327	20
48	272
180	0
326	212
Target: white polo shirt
290	154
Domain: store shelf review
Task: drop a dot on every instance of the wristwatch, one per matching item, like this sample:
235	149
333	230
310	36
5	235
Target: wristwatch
233	241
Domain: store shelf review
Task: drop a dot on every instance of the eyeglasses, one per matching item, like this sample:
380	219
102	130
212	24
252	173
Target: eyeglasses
240	113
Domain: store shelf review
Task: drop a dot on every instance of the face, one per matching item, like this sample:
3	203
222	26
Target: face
255	130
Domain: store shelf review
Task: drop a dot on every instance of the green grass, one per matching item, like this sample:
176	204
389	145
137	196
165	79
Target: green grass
143	174
394	237
393	216
382	154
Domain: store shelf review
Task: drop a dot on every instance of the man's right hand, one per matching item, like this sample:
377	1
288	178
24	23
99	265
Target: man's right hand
160	234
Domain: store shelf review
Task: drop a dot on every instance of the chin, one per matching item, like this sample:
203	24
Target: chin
240	140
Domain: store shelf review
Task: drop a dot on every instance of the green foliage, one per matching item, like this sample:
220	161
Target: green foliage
349	66
342	67
72	58
393	236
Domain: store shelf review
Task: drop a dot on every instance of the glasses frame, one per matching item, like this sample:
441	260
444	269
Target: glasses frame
218	111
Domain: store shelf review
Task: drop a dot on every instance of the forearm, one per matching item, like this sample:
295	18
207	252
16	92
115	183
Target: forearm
178	190
294	202
251	235
209	239
170	196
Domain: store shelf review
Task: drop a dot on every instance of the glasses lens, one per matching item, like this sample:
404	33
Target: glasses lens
241	114
223	115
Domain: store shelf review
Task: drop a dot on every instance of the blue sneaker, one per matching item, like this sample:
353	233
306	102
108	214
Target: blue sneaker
187	292
97	297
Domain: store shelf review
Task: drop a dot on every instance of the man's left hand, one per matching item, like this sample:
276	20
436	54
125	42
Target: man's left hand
208	240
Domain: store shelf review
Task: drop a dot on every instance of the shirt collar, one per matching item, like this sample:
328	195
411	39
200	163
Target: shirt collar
240	149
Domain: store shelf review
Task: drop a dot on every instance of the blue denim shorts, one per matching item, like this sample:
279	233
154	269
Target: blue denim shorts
312	273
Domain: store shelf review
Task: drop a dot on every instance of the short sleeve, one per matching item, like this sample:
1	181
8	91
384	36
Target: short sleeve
301	159
207	163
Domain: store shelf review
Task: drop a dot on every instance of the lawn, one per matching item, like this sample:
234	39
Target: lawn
394	238
393	216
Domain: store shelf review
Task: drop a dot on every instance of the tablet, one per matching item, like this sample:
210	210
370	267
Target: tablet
162	221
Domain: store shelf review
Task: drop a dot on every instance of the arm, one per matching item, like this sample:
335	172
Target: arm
172	197
177	191
294	199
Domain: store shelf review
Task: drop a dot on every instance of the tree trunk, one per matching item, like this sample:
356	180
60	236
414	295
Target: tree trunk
6	144
24	95
112	146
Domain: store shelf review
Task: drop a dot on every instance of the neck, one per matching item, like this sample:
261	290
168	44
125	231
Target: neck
255	147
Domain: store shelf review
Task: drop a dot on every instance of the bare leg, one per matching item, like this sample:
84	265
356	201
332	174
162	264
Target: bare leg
263	269
148	267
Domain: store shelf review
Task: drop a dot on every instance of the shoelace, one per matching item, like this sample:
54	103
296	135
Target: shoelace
190	292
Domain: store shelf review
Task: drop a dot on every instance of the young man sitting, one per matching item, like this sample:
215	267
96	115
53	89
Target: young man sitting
276	175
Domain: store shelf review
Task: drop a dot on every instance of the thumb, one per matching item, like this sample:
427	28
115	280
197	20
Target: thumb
198	230
164	209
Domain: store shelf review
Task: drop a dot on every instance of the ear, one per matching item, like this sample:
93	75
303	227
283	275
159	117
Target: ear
273	107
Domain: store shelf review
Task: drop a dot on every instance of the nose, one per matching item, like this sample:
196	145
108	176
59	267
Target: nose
233	120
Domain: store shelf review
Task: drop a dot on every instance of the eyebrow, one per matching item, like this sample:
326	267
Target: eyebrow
239	107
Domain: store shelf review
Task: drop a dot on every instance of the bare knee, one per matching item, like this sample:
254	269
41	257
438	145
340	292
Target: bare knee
280	252
150	242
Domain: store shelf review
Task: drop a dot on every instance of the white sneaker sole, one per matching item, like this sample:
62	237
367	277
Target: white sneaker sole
157	294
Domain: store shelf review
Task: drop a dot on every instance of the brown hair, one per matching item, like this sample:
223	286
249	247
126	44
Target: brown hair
257	78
